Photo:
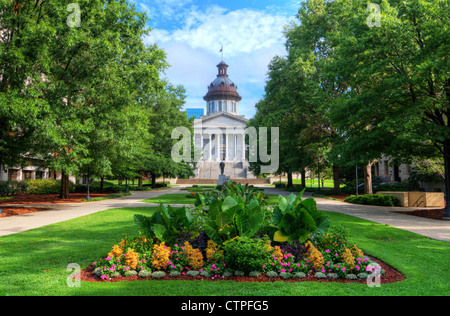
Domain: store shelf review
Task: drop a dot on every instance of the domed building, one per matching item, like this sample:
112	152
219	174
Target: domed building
220	134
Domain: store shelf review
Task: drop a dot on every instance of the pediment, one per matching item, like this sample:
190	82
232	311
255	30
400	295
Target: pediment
221	120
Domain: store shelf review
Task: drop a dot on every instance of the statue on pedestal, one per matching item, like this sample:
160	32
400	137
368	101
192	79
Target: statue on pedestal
222	167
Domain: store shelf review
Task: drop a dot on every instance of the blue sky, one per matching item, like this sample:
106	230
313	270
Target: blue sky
192	32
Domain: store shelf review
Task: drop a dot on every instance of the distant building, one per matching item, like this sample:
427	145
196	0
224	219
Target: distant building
196	113
220	134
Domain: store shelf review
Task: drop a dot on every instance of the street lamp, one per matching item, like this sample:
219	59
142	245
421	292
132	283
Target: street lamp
356	180
88	197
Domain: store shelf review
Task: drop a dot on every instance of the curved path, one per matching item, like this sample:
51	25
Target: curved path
434	229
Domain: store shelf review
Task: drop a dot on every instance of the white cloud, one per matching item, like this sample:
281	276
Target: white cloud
250	39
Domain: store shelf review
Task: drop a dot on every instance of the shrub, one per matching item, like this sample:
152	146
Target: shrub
8	188
254	274
300	275
130	273
315	257
351	277
272	274
373	199
174	274
158	274
145	273
247	254
192	273
320	275
132	259
285	275
47	186
195	257
160	257
239	273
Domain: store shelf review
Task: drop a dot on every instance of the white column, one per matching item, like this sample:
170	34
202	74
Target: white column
227	148
210	148
235	146
202	154
218	147
243	147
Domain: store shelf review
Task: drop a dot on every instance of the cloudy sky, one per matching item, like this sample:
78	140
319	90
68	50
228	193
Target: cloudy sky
192	33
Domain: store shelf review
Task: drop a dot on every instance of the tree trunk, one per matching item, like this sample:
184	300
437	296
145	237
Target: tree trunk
303	173
153	181
447	178
140	182
64	192
101	184
368	178
289	183
337	186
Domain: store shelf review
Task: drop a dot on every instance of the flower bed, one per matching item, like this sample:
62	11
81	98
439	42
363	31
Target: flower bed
234	236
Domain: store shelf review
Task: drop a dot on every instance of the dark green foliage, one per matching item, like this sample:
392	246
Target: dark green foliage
296	219
247	254
373	199
165	222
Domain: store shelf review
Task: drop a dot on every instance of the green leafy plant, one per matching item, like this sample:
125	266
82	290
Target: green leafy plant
232	217
373	199
296	219
248	254
165	222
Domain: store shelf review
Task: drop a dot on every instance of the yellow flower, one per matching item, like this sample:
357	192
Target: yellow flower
116	252
132	259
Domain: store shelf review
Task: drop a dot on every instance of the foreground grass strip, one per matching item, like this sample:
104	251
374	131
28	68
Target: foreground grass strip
182	199
35	262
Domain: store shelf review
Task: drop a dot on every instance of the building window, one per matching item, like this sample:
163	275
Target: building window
220	106
212	106
225	105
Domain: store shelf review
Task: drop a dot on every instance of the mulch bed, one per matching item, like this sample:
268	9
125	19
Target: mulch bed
11	211
433	214
391	276
48	198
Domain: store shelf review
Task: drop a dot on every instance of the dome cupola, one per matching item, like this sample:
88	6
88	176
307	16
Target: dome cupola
222	93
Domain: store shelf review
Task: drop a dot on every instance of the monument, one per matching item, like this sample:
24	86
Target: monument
222	178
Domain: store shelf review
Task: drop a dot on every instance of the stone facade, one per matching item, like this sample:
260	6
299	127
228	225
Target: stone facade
220	134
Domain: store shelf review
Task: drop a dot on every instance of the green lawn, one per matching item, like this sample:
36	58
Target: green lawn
182	199
35	262
171	199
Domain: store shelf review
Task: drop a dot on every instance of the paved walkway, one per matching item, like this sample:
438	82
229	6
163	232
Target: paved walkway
62	212
434	229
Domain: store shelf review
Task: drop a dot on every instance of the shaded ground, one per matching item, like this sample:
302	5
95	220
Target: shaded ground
47	198
433	214
11	211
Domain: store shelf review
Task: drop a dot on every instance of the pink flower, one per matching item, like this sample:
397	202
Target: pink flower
282	270
343	269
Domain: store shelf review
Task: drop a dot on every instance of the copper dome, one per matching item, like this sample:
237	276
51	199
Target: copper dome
222	88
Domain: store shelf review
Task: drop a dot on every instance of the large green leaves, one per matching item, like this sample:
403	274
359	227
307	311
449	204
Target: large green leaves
165	223
296	219
233	217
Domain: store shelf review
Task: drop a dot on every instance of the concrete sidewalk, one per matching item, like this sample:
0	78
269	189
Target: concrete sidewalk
435	229
63	212
432	228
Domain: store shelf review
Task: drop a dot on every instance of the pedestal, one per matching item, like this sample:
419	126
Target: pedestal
223	179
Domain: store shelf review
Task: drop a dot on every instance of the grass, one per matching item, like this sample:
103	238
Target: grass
171	199
35	262
182	199
6	197
107	197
